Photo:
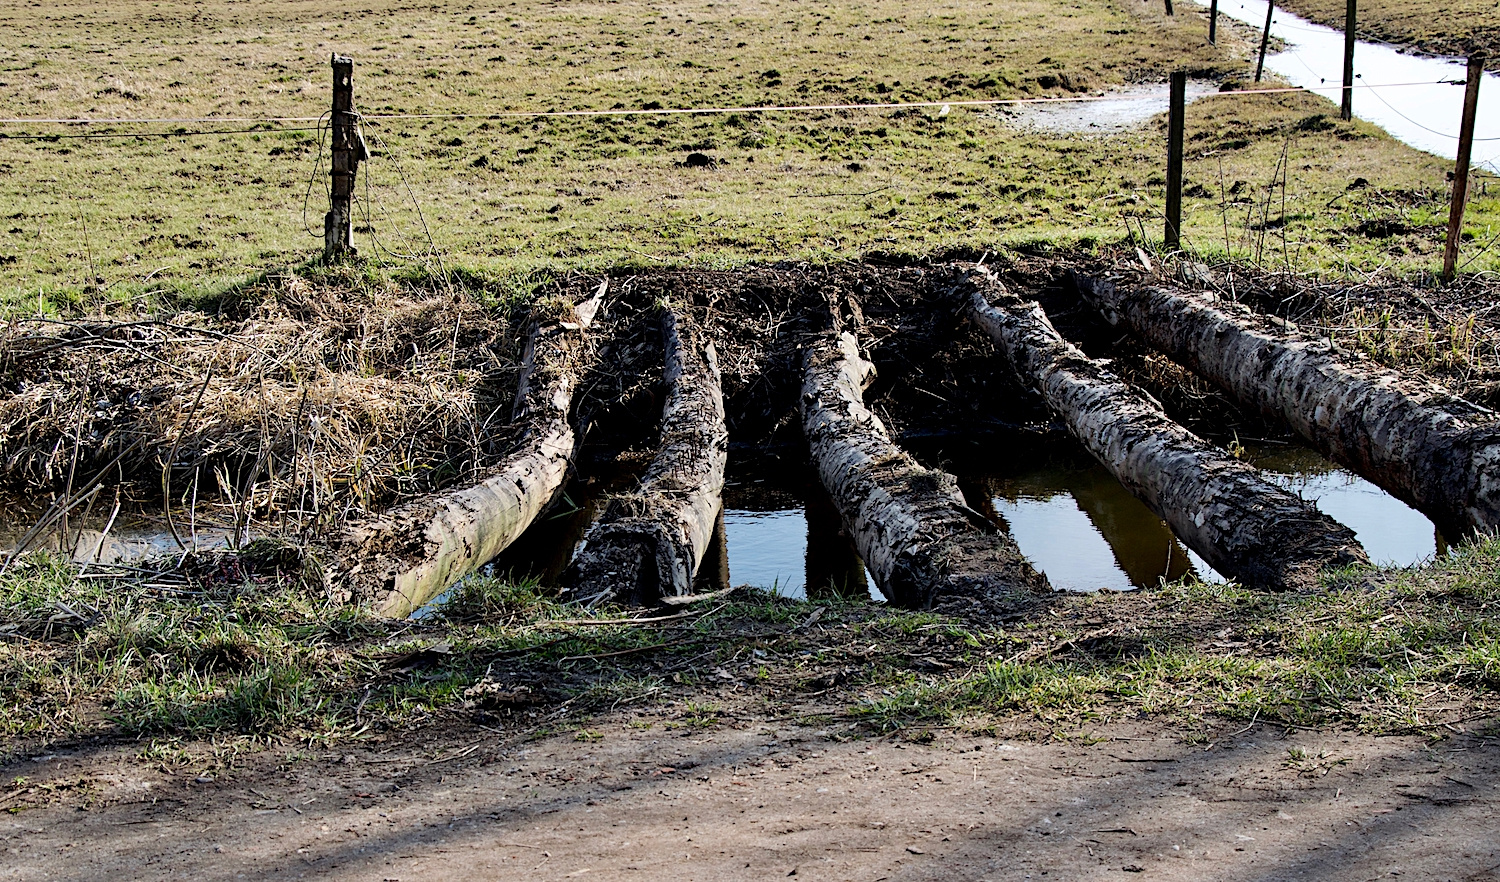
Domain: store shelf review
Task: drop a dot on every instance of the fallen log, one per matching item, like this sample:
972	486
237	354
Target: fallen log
1245	527
922	545
649	543
1427	447
401	559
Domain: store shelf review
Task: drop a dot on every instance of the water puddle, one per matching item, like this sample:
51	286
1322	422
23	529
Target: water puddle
134	536
780	532
1118	111
788	540
1077	524
1425	116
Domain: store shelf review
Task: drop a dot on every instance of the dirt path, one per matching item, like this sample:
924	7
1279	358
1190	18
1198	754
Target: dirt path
756	801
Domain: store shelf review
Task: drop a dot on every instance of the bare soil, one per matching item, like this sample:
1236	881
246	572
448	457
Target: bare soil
759	798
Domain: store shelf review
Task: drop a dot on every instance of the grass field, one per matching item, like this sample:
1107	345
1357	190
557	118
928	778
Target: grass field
518	195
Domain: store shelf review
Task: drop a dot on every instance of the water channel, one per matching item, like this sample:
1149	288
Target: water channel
780	532
1416	98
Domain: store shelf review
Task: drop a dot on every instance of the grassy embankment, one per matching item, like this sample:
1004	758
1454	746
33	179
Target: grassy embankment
1455	28
225	656
513	196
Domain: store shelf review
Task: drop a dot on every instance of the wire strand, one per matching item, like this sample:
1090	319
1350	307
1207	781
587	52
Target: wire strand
94	136
643	111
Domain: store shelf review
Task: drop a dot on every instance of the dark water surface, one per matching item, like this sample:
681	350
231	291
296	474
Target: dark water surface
1073	520
779	531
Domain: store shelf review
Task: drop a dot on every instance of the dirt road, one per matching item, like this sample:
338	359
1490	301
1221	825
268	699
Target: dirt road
755	801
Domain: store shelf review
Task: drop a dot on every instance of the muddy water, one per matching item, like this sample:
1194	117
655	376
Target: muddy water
134	536
1424	115
1068	515
1115	111
780	532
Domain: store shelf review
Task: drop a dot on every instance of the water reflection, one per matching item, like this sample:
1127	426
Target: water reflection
1424	116
1391	532
1084	530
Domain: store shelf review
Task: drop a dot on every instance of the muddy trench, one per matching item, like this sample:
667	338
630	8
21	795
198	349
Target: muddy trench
126	421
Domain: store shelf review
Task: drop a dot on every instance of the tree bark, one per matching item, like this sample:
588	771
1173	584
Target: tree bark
1427	447
1245	527
648	544
923	546
401	559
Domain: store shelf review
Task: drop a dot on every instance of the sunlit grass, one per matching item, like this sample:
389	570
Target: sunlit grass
110	223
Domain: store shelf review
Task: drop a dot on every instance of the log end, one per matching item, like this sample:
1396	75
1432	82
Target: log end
1298	562
629	561
973	572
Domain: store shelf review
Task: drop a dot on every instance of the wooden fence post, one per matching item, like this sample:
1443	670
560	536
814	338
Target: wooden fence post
1174	160
1265	38
1213	23
1170	10
1461	170
338	224
1346	111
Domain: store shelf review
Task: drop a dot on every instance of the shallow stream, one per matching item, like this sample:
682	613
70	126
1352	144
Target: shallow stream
1417	98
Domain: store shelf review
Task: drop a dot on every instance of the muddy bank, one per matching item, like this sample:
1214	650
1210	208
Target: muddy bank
931	381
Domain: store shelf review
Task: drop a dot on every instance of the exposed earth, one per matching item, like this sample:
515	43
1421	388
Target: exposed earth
760	799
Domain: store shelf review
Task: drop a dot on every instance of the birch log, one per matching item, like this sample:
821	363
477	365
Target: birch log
1243	525
922	545
1427	447
648	544
403	558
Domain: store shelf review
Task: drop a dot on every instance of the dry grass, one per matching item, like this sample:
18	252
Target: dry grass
310	397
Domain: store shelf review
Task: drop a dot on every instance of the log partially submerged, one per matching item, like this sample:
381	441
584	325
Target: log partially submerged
1425	446
648	543
923	546
401	559
1244	526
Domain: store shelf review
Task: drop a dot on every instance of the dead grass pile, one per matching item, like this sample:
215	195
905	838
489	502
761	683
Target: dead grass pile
304	398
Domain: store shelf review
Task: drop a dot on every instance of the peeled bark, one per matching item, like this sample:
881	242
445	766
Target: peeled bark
403	558
923	546
1434	451
648	544
1244	526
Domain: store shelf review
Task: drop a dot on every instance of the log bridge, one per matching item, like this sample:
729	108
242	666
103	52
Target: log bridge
1425	446
1243	525
649	543
923	544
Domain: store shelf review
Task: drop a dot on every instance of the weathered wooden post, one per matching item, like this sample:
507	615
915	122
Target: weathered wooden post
1265	39
1461	170
1174	159
1213	23
347	147
1346	111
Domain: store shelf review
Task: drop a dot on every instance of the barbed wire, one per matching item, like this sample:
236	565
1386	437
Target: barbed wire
616	112
95	136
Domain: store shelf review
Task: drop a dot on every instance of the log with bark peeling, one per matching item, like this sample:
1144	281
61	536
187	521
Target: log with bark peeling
401	559
1425	446
922	545
1243	525
649	543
